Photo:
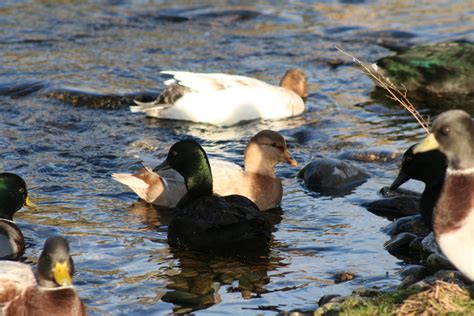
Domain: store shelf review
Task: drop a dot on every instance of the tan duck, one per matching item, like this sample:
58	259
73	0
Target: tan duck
13	196
224	100
258	181
50	292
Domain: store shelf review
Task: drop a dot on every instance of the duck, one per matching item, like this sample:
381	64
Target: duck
229	225
428	167
48	292
225	100
452	132
436	69
257	181
13	196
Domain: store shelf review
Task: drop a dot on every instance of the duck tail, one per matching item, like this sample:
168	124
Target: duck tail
147	106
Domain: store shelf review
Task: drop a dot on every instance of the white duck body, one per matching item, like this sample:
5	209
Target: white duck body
224	100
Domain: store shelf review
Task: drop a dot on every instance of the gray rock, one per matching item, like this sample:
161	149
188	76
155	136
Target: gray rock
437	261
421	285
394	207
418	271
416	245
399	243
452	276
366	292
430	245
408	281
332	176
327	299
410	224
386	192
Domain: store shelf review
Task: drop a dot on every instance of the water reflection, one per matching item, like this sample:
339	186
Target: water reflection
200	280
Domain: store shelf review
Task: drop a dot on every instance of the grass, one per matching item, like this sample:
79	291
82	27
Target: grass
441	298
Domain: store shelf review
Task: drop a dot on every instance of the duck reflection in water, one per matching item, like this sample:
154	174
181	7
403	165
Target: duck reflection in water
200	278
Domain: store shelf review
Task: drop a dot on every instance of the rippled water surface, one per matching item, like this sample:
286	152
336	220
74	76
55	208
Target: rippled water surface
67	151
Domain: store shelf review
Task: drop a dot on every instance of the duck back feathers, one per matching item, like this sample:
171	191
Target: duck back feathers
233	227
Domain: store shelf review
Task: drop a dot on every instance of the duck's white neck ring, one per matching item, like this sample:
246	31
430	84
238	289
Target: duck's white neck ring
460	171
8	220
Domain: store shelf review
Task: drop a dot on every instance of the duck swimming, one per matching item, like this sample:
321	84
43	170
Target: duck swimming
257	181
223	225
50	292
428	167
453	223
225	100
13	196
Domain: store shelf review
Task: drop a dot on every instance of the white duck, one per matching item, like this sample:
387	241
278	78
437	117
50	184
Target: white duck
257	181
225	100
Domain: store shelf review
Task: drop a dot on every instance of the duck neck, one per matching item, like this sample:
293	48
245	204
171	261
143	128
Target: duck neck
199	182
255	162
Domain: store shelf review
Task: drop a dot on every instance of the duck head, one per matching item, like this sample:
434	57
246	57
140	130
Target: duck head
453	133
264	151
295	80
13	195
190	160
55	265
428	167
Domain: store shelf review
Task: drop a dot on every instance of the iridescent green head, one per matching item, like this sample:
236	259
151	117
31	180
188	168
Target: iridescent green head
13	195
190	160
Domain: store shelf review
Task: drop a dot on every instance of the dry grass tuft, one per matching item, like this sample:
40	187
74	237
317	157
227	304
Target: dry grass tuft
442	298
394	93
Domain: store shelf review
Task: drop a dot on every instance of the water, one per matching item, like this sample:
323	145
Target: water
67	152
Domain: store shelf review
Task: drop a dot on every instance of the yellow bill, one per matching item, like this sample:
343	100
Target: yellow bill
429	143
29	204
61	274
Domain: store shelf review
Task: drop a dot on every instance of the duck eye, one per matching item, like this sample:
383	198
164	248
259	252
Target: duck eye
445	131
174	153
274	144
21	190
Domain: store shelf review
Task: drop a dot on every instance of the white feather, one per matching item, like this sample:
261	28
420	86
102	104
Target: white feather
458	246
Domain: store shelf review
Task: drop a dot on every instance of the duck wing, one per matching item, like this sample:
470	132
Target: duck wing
205	82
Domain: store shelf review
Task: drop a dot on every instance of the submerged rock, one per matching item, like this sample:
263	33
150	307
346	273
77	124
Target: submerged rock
344	276
332	176
370	155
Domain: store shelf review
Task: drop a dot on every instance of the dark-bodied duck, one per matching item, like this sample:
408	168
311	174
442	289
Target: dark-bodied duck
257	181
453	221
428	167
223	225
13	196
50	292
224	100
441	68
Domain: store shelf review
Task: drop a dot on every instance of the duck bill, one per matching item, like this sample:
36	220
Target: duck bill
429	143
289	159
29	204
401	179
61	274
163	166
